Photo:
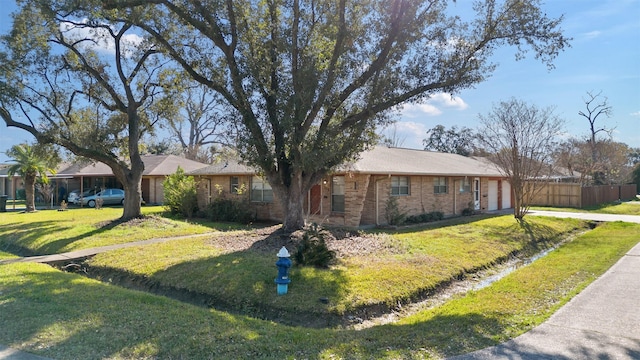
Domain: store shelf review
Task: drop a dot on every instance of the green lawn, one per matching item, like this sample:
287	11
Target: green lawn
61	315
51	231
413	262
67	316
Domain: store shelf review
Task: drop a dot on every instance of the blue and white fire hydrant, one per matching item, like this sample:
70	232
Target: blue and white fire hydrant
283	264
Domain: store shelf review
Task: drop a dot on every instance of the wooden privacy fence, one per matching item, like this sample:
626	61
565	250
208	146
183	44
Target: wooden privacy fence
595	195
574	195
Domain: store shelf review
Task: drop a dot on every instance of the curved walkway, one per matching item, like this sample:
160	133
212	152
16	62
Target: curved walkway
602	322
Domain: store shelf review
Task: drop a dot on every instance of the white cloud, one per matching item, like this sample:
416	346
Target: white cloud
101	40
637	113
448	101
433	106
417	110
592	34
408	134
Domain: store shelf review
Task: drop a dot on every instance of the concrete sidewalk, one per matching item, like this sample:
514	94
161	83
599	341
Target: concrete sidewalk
602	322
587	216
11	354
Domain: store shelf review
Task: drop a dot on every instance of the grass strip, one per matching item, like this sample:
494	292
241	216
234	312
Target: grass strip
625	208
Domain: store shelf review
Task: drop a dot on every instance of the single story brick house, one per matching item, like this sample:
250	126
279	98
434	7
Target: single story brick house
356	194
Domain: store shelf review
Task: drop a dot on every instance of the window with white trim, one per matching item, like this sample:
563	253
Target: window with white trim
465	185
261	190
337	194
399	185
234	184
440	185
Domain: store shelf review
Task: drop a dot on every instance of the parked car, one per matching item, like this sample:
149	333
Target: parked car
108	196
74	196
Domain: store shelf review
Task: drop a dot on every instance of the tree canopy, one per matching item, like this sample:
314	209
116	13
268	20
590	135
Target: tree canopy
307	82
311	80
461	142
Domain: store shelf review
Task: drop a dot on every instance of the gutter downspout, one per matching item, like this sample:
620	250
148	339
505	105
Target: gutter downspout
455	198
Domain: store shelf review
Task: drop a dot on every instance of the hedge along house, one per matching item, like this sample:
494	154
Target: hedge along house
356	194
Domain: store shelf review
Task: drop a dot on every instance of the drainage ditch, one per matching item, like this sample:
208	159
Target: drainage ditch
362	318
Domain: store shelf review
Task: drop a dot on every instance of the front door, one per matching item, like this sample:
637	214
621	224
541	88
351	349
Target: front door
476	193
315	194
492	193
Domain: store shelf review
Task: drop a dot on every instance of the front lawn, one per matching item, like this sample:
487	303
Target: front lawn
51	231
391	269
67	316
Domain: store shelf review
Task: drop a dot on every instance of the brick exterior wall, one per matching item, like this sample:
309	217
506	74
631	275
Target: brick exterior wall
214	186
421	198
365	198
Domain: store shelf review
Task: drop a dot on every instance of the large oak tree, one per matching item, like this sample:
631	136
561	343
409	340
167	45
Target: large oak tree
311	80
76	77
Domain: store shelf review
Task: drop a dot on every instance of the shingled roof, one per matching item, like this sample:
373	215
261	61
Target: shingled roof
400	161
154	165
387	161
226	167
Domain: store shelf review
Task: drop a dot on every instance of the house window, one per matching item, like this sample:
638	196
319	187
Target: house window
261	190
337	194
399	185
235	184
465	185
440	185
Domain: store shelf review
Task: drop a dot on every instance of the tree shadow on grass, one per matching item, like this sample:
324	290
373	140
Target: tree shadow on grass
21	237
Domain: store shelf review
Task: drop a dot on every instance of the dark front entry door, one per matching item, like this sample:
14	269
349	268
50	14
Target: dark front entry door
315	195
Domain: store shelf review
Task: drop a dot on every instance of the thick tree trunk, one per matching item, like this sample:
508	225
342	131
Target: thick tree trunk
292	200
132	182
132	200
294	214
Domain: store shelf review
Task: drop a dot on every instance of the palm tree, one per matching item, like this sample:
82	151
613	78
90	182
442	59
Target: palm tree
28	164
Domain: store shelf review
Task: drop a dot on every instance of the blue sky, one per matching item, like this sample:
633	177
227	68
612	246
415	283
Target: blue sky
604	56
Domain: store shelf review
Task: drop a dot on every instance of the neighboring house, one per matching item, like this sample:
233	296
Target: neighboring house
5	181
356	194
97	175
156	167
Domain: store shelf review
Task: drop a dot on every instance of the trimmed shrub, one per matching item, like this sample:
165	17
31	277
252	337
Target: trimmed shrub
313	250
222	209
425	217
180	195
393	214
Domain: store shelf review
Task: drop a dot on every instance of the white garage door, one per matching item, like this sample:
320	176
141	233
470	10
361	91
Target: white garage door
506	195
493	195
